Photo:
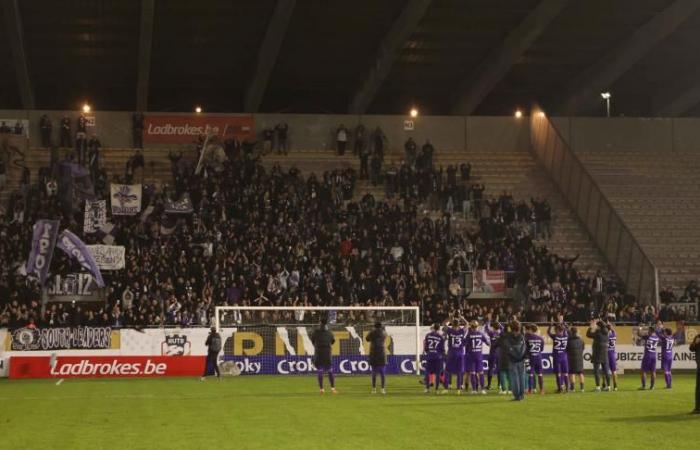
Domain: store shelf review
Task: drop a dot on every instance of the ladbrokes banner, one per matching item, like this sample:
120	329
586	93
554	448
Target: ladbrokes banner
185	129
489	282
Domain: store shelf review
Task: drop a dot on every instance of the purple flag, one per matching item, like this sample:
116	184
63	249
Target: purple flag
75	248
43	244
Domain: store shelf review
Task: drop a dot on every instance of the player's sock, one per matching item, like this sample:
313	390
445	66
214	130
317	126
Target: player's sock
331	377
382	377
488	377
460	380
558	378
644	380
427	380
667	375
474	381
530	382
652	382
447	381
481	380
319	376
374	379
540	380
581	386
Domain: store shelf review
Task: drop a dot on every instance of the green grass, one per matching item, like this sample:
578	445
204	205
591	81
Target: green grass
268	412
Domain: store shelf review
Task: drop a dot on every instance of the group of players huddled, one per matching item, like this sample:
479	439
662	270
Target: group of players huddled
454	349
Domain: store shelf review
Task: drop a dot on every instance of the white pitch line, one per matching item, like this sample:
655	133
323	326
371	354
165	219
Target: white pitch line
59	382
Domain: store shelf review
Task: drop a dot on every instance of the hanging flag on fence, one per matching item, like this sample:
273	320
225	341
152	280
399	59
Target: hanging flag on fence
126	199
95	215
43	244
182	206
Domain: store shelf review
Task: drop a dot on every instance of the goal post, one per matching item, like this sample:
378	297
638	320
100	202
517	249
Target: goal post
277	339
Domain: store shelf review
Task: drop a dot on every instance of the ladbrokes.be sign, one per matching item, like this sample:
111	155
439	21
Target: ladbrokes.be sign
185	129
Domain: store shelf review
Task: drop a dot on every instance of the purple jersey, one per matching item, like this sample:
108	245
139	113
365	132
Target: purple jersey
493	336
560	342
535	345
456	341
434	345
651	342
612	341
666	346
476	340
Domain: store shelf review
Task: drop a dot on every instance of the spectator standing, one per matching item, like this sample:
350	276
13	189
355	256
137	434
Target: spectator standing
81	139
359	139
599	357
378	140
428	154
137	129
65	140
268	137
376	169
94	147
341	137
410	148
45	128
281	130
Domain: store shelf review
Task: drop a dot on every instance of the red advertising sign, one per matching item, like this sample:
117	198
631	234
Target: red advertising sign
185	129
105	366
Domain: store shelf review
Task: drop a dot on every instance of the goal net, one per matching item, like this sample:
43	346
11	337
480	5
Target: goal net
277	340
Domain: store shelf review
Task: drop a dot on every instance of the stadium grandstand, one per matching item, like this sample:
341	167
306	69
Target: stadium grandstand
238	187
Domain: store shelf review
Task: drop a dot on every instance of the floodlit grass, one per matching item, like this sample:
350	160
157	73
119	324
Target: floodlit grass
267	412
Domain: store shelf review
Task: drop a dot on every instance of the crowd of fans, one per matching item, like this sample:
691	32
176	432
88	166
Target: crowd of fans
274	237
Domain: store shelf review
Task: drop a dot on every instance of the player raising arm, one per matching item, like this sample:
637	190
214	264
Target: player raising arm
456	340
535	345
323	340
612	353
651	343
434	351
560	340
377	355
475	358
493	330
666	341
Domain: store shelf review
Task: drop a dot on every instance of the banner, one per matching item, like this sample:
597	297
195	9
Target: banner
81	285
182	206
489	282
75	248
43	244
186	129
125	199
95	216
105	366
108	257
64	338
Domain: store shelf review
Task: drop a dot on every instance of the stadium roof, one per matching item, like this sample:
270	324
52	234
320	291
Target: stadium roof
330	56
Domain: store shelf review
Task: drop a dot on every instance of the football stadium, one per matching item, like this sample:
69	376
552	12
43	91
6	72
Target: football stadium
325	224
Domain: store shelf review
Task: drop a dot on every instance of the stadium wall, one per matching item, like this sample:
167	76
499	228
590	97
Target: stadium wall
103	352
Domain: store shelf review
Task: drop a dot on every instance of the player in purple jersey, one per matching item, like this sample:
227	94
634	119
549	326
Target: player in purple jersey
666	341
651	343
434	351
612	353
535	346
475	357
494	332
560	340
456	342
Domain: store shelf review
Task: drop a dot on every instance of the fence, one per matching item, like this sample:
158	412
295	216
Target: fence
606	228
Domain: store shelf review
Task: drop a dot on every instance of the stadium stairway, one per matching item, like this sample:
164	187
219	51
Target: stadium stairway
515	172
657	196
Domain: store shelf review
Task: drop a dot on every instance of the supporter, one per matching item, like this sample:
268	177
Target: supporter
341	137
45	127
360	137
65	140
281	132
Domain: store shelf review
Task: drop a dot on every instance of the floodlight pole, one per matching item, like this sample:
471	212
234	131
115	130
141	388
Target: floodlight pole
607	105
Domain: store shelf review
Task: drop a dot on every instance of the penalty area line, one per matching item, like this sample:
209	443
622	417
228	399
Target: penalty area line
58	383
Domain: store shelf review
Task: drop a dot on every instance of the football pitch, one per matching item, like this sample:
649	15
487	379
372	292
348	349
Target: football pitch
267	412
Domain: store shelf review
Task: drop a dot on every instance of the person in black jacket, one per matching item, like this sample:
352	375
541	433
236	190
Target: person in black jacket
695	347
516	349
600	334
377	355
323	340
574	353
213	344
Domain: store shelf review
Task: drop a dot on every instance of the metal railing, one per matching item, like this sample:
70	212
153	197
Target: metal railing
605	226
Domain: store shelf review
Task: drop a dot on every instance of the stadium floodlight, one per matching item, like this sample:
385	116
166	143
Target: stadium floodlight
282	333
414	112
541	114
198	109
518	114
606	96
86	108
